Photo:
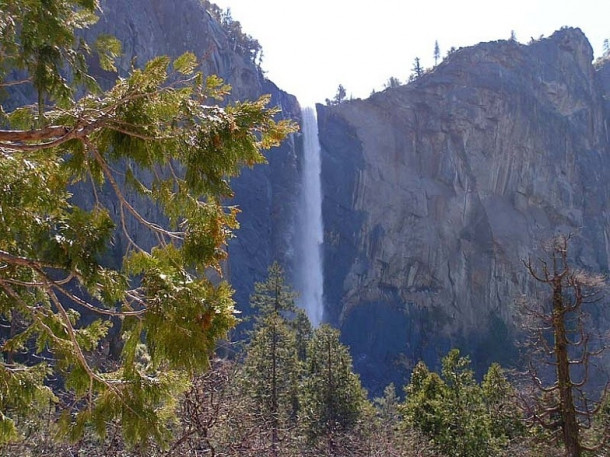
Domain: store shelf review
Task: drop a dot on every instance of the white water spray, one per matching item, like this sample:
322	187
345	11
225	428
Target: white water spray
308	268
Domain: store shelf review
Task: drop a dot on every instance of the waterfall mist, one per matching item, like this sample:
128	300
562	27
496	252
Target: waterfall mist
309	276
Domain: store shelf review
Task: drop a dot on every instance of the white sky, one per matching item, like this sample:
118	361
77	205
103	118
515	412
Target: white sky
312	46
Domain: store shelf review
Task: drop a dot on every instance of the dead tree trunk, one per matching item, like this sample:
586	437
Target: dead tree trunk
561	336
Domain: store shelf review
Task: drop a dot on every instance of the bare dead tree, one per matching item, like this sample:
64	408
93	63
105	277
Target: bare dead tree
563	342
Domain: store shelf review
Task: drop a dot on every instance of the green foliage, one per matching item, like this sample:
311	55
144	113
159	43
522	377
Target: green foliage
108	49
460	417
33	394
158	134
505	417
273	296
240	42
271	367
387	405
425	405
332	397
39	38
468	433
388	414
303	333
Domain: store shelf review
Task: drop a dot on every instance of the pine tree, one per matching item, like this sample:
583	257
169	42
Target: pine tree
339	96
303	333
388	412
506	422
437	52
425	403
332	396
467	431
458	416
392	82
417	71
156	133
387	406
271	365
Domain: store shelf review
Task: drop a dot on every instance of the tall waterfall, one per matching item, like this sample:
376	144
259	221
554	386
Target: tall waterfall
308	269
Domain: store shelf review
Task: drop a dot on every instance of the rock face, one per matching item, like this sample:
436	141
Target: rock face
435	192
265	194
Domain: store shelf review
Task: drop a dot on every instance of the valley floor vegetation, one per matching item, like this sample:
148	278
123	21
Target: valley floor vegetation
290	390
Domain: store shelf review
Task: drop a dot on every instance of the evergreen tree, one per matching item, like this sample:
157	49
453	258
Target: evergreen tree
339	96
456	415
424	407
467	433
303	333
392	82
388	412
417	71
332	396
271	365
388	406
506	420
156	133
437	53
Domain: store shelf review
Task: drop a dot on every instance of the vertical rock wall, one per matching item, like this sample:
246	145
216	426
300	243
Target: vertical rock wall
447	184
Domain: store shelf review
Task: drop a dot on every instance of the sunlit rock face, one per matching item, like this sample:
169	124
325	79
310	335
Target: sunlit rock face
435	192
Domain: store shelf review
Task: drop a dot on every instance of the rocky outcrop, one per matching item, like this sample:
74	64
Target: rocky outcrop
435	191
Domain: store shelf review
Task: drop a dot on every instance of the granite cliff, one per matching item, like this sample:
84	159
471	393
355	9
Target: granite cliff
434	193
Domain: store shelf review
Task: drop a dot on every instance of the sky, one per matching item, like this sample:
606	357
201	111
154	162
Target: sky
312	46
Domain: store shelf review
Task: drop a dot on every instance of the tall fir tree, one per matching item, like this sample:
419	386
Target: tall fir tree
506	421
271	366
332	396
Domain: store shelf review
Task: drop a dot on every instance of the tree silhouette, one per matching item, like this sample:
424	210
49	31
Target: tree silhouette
417	71
561	335
437	52
339	96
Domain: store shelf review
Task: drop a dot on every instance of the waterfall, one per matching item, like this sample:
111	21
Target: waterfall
309	275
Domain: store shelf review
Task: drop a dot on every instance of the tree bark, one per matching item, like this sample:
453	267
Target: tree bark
569	423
